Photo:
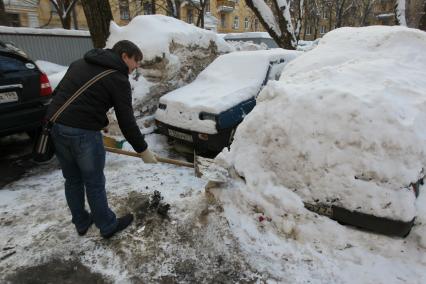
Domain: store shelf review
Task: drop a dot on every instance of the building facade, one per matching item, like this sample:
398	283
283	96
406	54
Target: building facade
222	16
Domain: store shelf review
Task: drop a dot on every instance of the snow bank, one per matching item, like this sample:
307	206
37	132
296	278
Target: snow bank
174	53
50	68
18	30
154	34
345	123
246	45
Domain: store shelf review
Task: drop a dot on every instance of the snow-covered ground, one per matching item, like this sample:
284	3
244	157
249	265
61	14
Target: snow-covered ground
193	245
351	107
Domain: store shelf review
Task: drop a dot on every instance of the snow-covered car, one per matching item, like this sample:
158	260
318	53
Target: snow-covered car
342	133
206	112
255	37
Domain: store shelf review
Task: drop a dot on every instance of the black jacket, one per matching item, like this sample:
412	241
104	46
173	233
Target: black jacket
89	110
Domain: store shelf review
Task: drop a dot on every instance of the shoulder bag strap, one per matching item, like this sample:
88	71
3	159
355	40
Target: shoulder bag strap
79	92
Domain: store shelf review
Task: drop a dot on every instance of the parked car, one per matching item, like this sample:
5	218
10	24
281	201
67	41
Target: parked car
205	113
25	92
255	37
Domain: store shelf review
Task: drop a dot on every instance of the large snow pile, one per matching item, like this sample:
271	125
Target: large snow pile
155	33
174	53
345	125
54	71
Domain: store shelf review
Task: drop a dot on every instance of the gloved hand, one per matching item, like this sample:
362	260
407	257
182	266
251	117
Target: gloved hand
148	157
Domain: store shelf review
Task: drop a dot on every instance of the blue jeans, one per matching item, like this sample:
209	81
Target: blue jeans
81	154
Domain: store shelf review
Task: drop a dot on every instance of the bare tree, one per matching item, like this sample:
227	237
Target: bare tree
98	15
199	6
277	19
400	18
4	20
365	8
64	9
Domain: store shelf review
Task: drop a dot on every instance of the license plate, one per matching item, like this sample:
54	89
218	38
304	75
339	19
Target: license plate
180	135
8	97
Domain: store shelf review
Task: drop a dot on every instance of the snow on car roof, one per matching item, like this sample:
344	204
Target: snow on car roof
346	122
227	81
154	33
247	35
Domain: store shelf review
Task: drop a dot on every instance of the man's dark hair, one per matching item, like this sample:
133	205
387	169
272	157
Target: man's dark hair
128	47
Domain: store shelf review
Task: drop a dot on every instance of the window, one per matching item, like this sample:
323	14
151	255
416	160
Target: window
246	23
124	10
207	8
223	21
308	30
14	19
256	25
324	13
10	64
189	16
322	30
147	8
236	24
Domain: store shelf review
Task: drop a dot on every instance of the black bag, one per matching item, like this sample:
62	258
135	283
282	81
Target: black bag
44	149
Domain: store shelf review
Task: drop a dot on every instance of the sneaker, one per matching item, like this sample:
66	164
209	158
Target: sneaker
84	231
122	224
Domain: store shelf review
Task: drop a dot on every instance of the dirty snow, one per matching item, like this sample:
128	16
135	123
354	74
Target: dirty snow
257	230
154	34
346	122
193	245
230	79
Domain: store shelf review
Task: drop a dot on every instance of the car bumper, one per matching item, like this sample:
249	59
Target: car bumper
201	142
22	120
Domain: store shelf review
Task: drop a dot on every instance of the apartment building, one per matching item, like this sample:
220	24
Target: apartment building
223	16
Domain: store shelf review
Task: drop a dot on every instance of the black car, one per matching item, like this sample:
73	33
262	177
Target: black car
25	92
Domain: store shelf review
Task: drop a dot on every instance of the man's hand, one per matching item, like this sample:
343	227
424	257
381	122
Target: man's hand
148	157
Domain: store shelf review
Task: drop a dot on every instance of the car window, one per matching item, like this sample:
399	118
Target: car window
10	64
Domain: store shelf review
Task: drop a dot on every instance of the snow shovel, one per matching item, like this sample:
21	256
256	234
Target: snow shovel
204	168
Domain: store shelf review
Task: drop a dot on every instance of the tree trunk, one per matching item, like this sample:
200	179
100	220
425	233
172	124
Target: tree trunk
400	13
422	23
4	20
75	18
62	7
285	39
98	15
153	8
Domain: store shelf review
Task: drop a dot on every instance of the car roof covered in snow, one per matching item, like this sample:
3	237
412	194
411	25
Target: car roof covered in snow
228	80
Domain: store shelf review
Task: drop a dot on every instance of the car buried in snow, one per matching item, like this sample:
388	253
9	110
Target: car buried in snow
205	113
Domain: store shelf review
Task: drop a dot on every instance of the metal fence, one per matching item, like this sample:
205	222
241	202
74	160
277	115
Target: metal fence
60	49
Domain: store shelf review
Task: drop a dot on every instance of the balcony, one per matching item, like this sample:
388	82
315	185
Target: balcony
225	6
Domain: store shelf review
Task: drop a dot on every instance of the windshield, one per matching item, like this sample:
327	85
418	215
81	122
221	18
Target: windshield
10	64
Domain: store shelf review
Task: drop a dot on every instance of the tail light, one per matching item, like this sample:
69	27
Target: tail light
45	88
